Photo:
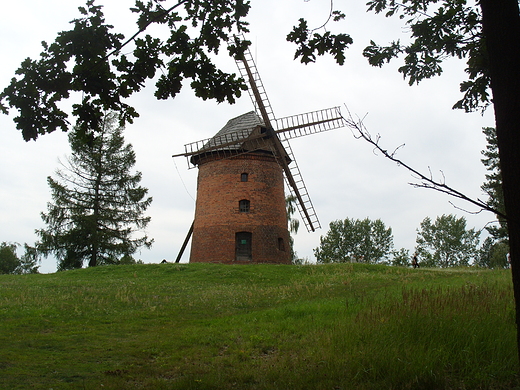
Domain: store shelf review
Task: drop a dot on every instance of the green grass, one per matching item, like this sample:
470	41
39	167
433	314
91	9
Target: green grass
198	326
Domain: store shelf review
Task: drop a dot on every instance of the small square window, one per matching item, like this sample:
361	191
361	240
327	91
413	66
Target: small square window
244	177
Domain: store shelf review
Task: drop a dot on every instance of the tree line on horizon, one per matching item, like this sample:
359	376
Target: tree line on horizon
445	242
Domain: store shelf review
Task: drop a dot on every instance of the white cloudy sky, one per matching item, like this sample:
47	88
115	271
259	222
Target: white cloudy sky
343	175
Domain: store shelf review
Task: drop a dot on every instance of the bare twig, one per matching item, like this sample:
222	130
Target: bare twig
359	130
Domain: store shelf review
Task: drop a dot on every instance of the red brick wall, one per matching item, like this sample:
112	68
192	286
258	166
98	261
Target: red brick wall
217	215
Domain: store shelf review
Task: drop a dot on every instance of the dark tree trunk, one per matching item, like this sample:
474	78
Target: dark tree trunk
501	27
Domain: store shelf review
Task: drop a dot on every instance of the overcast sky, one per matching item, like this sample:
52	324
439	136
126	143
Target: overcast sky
344	177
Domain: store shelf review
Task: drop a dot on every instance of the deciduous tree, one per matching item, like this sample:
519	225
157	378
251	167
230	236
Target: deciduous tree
446	242
9	261
98	205
89	58
355	240
493	254
401	258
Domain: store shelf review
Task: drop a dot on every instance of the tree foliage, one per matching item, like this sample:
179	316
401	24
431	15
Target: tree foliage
98	204
446	242
493	185
493	254
355	240
401	258
89	59
438	30
293	224
310	43
10	263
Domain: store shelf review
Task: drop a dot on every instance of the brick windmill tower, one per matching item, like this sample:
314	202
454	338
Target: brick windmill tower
240	211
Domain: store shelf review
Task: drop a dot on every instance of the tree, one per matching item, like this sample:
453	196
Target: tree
446	242
493	254
294	224
401	258
89	59
495	248
11	264
9	261
355	240
98	204
493	185
29	260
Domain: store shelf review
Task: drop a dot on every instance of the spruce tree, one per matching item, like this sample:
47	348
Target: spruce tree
493	185
98	204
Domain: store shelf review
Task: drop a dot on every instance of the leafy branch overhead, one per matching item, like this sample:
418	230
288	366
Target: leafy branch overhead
311	43
454	29
88	59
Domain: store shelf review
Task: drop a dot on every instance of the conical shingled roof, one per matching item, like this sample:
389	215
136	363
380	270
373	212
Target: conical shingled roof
240	135
236	129
244	122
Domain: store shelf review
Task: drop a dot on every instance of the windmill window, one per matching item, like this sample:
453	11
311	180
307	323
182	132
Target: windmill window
281	244
244	177
244	206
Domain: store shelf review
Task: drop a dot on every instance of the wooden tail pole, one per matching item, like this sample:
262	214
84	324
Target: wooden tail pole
185	243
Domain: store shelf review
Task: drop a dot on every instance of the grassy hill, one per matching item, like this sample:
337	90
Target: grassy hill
207	326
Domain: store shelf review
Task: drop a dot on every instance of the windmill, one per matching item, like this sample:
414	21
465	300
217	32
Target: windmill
257	143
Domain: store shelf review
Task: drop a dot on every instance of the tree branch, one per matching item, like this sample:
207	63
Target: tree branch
359	131
142	29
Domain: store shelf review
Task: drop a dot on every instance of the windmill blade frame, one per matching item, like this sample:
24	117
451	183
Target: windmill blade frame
247	68
248	71
309	123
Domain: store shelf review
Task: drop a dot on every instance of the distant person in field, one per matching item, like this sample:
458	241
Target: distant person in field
415	262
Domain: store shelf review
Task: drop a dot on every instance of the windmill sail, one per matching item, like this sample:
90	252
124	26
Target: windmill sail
309	123
247	68
248	71
304	205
